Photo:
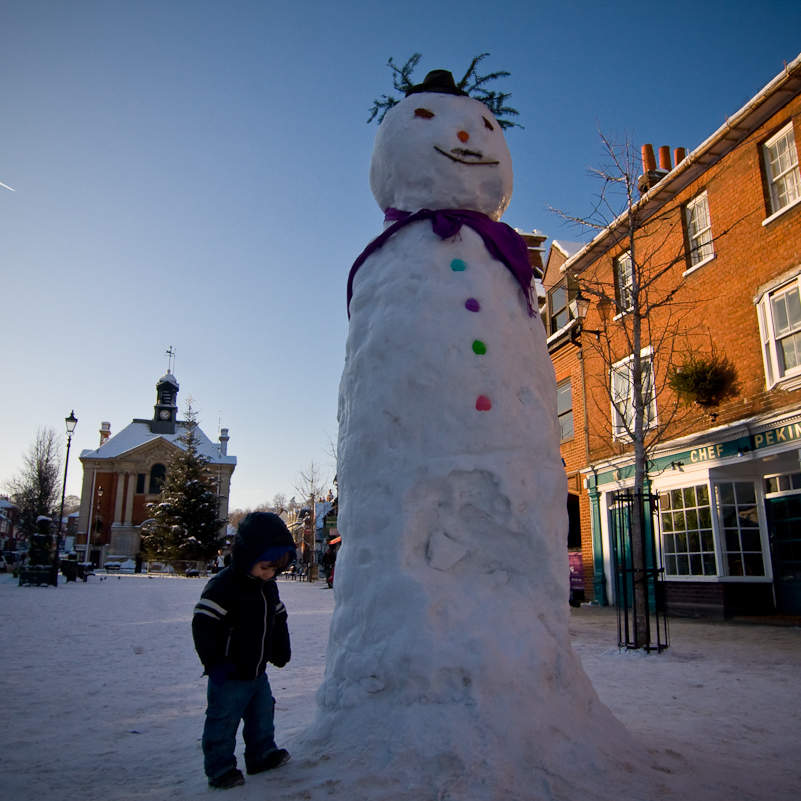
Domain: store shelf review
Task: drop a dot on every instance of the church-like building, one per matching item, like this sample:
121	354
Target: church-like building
126	472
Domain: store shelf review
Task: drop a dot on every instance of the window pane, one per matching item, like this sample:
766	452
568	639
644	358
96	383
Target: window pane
733	540
753	564
705	517
725	493
683	563
664	500
677	498
702	491
563	398
750	539
707	540
781	322
793	308
735	565
689	496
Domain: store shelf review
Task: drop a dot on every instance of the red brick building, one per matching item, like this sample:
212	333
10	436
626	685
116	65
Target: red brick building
721	231
124	474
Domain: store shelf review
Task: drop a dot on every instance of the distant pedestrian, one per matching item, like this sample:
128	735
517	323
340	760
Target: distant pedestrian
239	625
328	561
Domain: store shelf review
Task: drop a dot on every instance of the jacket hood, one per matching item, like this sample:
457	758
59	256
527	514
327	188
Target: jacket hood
259	532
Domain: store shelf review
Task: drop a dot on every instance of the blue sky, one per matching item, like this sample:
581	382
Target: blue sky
193	174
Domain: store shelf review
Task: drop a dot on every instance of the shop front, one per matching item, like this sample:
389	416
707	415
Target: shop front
727	519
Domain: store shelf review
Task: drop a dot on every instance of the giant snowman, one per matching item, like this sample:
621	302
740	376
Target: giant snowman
449	670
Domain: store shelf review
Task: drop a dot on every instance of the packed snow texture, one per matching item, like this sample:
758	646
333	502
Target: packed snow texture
449	668
103	700
410	170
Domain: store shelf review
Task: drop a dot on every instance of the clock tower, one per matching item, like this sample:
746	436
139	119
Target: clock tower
165	412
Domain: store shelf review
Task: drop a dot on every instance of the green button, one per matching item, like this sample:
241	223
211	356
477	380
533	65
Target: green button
479	347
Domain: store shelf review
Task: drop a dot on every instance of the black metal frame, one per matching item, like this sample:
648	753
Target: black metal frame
625	505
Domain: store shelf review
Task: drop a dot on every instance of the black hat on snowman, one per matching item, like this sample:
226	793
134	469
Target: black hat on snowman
439	81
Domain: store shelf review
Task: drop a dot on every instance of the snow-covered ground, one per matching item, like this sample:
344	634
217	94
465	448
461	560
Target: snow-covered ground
102	697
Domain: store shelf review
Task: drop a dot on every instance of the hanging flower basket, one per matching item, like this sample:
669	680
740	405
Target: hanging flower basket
705	381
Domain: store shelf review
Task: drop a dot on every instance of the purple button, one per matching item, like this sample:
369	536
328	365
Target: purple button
472	305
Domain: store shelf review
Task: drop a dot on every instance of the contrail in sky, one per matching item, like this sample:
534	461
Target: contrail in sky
8	187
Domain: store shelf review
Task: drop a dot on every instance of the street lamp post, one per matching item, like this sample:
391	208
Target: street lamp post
71	422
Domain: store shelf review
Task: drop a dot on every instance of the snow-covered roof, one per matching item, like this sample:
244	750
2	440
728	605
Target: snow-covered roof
170	378
138	433
322	509
568	248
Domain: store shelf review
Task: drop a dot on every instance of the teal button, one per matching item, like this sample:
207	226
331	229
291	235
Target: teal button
458	266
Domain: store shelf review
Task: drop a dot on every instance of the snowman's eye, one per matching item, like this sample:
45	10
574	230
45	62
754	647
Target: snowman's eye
424	113
487	124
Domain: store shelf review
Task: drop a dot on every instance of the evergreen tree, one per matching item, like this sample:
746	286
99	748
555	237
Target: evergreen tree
185	523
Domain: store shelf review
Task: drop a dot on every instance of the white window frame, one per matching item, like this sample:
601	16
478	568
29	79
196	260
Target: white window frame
686	483
782	171
699	232
624	278
776	374
623	404
761	528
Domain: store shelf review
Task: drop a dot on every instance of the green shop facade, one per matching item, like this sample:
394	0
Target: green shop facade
725	519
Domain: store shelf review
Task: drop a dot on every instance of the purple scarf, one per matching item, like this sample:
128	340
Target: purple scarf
502	241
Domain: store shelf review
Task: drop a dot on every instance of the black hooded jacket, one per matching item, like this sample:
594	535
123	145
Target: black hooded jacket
240	620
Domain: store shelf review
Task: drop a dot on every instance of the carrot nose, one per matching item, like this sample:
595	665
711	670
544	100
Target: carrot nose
463	136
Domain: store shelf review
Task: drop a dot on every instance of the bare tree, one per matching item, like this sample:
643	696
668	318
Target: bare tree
235	516
36	489
645	324
311	482
278	502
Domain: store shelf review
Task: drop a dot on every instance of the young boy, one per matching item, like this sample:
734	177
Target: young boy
240	625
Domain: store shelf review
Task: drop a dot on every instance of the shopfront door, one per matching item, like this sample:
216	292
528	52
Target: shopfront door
784	523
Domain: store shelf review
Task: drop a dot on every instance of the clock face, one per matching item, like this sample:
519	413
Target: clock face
164	414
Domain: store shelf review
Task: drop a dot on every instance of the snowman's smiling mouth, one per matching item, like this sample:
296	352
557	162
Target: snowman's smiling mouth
464	156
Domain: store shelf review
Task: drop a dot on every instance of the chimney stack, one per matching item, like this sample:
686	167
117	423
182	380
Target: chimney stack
648	160
664	159
224	441
105	433
679	154
650	174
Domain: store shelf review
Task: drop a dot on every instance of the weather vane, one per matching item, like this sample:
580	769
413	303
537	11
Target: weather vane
170	352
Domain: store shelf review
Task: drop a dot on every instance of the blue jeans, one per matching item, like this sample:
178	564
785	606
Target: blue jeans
249	701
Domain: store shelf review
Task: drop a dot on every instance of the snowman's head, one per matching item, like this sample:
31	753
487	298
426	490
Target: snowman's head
441	151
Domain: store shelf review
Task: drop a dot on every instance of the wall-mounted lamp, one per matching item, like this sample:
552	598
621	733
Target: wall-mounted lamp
579	307
742	450
677	466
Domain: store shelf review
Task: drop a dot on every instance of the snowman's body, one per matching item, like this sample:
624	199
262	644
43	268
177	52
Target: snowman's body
449	664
